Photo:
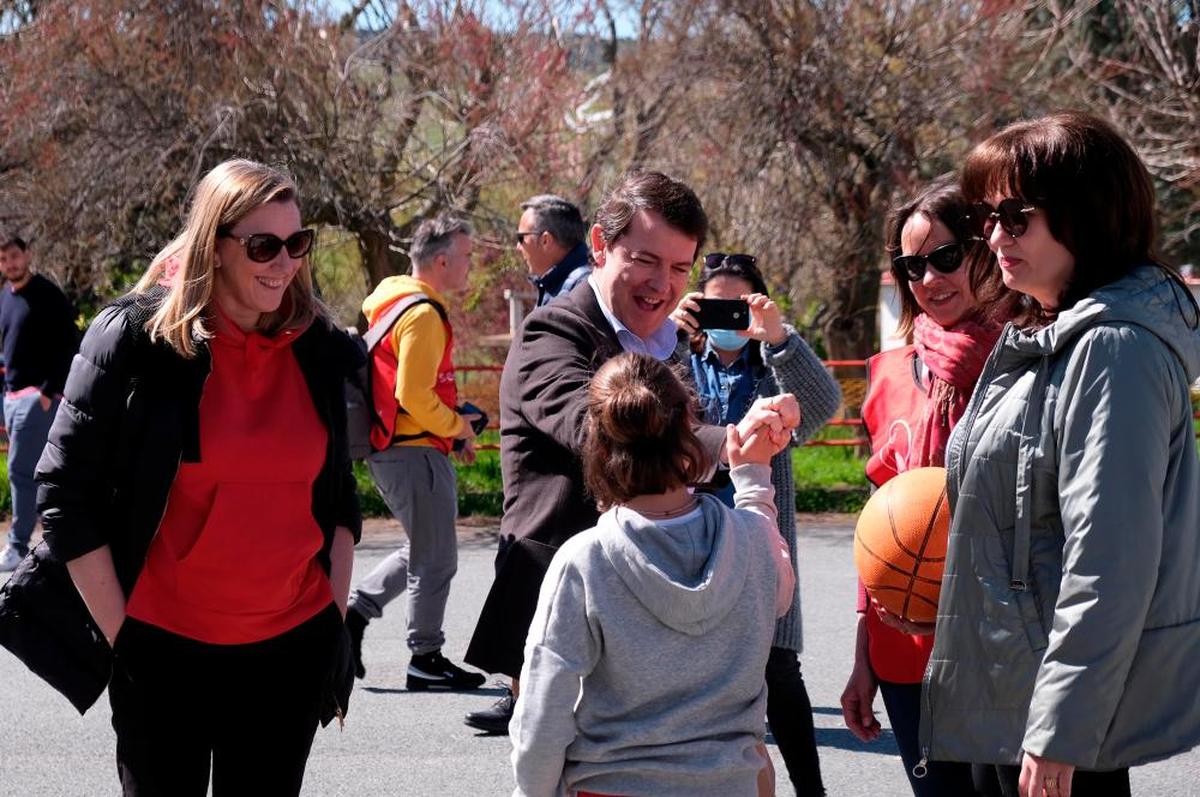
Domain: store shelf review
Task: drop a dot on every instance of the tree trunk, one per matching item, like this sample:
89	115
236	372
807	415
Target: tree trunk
379	259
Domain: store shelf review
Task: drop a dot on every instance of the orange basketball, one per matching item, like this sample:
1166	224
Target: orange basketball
900	543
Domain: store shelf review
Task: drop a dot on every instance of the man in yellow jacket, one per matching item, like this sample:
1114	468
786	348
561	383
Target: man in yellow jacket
416	398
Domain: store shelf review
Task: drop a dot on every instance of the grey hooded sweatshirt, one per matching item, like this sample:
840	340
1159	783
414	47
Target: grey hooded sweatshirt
1069	620
644	663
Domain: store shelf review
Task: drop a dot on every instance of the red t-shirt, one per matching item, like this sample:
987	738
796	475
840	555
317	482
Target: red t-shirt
235	557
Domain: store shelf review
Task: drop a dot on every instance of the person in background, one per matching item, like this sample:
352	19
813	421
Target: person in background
416	397
683	576
197	484
731	370
37	325
916	394
1070	607
550	237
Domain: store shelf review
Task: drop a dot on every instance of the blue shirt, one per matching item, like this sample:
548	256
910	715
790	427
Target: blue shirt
566	274
726	391
661	343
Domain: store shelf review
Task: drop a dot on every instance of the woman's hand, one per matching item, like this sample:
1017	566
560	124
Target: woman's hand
858	698
682	314
900	624
766	321
1041	777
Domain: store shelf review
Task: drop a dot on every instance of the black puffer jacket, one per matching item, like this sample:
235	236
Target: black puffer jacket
129	416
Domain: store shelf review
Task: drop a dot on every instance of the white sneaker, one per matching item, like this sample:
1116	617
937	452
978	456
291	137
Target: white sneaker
10	559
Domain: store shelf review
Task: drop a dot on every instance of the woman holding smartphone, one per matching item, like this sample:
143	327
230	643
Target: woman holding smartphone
731	369
1069	617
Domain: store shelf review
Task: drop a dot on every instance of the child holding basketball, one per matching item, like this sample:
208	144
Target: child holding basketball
644	663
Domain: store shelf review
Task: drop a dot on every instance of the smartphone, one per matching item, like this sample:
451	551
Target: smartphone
480	423
723	314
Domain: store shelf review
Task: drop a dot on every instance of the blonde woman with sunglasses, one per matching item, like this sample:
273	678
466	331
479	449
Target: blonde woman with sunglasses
197	485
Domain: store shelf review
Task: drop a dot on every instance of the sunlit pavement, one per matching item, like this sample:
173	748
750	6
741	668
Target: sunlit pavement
401	743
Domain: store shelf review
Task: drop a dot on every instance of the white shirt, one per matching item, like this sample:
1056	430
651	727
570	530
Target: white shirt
661	343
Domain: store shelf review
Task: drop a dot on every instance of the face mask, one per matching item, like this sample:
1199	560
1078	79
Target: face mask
726	339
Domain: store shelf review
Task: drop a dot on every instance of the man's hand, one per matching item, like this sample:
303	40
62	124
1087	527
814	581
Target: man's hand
468	433
466	454
1041	777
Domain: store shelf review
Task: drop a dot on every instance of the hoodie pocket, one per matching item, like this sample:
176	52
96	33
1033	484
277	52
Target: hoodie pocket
254	550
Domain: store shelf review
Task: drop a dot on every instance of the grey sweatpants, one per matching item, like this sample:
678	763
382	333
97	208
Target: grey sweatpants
420	488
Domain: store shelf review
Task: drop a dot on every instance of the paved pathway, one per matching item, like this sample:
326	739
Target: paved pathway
401	743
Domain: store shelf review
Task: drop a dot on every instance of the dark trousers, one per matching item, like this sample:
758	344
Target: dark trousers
790	716
1083	784
247	712
943	778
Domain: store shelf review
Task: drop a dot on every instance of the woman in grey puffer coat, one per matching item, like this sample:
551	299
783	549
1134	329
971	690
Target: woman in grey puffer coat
1068	632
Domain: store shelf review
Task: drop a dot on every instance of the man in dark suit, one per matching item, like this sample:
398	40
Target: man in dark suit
645	239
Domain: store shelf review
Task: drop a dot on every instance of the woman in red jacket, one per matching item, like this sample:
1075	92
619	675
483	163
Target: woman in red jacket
917	393
198	488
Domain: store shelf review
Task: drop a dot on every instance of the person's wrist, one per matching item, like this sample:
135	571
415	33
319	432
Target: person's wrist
776	338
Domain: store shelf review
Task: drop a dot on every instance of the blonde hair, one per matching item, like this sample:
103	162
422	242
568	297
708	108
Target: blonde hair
225	196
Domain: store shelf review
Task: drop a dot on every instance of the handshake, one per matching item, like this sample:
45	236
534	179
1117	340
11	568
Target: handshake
763	432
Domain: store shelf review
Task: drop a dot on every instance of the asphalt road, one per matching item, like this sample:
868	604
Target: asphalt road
401	743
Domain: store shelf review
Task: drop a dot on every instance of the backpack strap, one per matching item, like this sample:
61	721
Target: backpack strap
379	331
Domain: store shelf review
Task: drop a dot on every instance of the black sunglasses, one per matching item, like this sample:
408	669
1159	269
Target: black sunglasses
520	236
1012	214
945	259
263	247
719	259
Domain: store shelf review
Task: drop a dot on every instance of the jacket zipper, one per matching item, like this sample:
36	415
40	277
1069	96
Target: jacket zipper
962	433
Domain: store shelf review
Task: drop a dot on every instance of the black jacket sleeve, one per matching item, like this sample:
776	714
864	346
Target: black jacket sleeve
72	488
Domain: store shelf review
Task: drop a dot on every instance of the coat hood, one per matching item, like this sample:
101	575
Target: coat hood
1147	297
392	288
689	575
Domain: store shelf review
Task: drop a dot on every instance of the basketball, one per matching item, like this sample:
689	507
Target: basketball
900	543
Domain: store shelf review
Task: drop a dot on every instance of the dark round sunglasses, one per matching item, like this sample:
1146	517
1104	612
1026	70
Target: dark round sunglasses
263	247
1011	214
719	259
945	259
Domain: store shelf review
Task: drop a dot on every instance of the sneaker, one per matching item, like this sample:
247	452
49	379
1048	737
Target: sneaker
435	671
356	624
11	557
494	720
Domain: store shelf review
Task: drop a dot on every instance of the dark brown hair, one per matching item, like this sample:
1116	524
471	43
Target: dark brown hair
743	267
12	240
666	196
1096	193
942	200
637	433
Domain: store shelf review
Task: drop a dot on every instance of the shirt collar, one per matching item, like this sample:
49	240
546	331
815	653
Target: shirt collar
661	343
552	281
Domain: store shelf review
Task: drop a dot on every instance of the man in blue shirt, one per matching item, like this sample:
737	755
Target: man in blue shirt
37	324
550	237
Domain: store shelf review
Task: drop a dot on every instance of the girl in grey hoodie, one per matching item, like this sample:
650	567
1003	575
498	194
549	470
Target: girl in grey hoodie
644	664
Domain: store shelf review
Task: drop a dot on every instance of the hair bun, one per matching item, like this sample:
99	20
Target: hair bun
633	413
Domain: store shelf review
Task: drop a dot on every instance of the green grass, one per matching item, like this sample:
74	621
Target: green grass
828	479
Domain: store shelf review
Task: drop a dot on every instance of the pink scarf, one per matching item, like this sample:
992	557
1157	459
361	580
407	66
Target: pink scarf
955	356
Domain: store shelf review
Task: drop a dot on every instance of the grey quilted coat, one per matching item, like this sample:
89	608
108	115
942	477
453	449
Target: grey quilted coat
1069	622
